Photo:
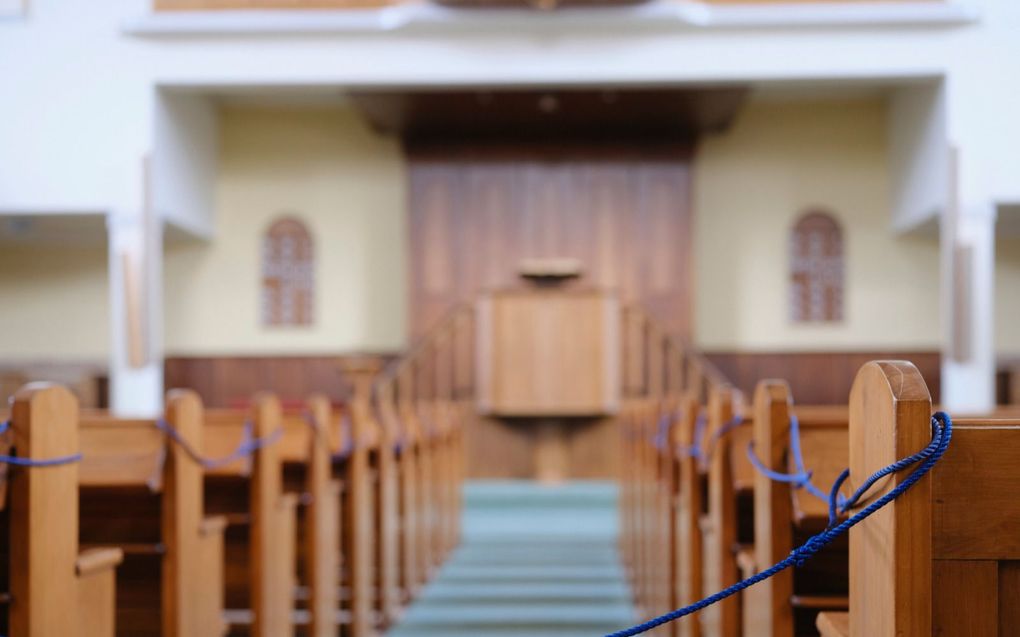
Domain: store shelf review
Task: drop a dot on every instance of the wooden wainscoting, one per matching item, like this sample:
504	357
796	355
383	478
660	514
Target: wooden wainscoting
229	381
817	378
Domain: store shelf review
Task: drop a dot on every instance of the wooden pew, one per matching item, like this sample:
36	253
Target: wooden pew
412	522
142	494
359	472
690	490
260	544
784	516
309	438
726	524
53	588
944	557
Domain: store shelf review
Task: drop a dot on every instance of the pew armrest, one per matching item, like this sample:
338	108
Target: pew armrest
212	525
746	562
94	561
210	616
97	591
833	624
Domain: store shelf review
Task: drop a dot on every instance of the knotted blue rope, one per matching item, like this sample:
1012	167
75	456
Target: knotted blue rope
34	462
801	477
248	445
942	426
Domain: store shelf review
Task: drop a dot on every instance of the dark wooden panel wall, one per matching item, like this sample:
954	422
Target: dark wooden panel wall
478	209
817	378
230	381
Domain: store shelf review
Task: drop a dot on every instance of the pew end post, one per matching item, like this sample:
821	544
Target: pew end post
773	509
891	551
193	567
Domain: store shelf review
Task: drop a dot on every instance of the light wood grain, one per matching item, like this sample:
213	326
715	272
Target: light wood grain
322	521
722	619
549	353
890	567
44	515
773	512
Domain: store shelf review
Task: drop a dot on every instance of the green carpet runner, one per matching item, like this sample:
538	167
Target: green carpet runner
536	561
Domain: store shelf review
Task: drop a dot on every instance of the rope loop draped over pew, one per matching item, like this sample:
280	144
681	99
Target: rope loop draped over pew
347	444
248	445
32	462
694	449
942	433
704	456
801	477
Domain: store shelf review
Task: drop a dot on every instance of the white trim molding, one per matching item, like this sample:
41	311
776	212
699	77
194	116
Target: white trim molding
668	15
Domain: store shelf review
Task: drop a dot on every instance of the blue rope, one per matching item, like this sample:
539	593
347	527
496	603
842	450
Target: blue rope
347	446
942	425
662	431
801	478
248	445
32	462
694	449
717	435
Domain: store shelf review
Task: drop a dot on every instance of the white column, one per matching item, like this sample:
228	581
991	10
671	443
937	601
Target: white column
968	316
136	314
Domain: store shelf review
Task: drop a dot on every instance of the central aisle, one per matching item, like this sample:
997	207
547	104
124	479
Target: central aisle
536	561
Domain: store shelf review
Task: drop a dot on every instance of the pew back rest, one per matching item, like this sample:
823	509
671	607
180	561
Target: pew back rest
825	446
120	452
943	557
223	431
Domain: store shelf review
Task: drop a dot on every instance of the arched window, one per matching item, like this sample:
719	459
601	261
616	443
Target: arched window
816	269
288	273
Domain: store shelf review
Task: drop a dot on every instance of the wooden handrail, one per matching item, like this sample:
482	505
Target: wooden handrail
392	370
707	370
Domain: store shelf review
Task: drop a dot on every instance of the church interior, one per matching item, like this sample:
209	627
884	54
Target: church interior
507	318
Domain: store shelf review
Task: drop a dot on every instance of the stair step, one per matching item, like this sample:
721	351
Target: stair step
531	592
535	561
521	616
535	573
535	555
522	494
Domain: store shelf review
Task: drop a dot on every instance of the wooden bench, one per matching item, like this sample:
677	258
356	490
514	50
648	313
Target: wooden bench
944	557
662	483
784	516
142	494
725	523
53	589
306	446
260	543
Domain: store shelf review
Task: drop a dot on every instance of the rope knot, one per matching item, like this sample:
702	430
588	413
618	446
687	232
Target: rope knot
809	549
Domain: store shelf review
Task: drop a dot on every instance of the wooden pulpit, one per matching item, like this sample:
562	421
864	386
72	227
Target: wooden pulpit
548	352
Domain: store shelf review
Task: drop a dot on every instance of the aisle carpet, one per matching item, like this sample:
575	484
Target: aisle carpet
536	561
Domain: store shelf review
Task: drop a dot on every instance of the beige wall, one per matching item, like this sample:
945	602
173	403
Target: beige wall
751	183
54	304
348	185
